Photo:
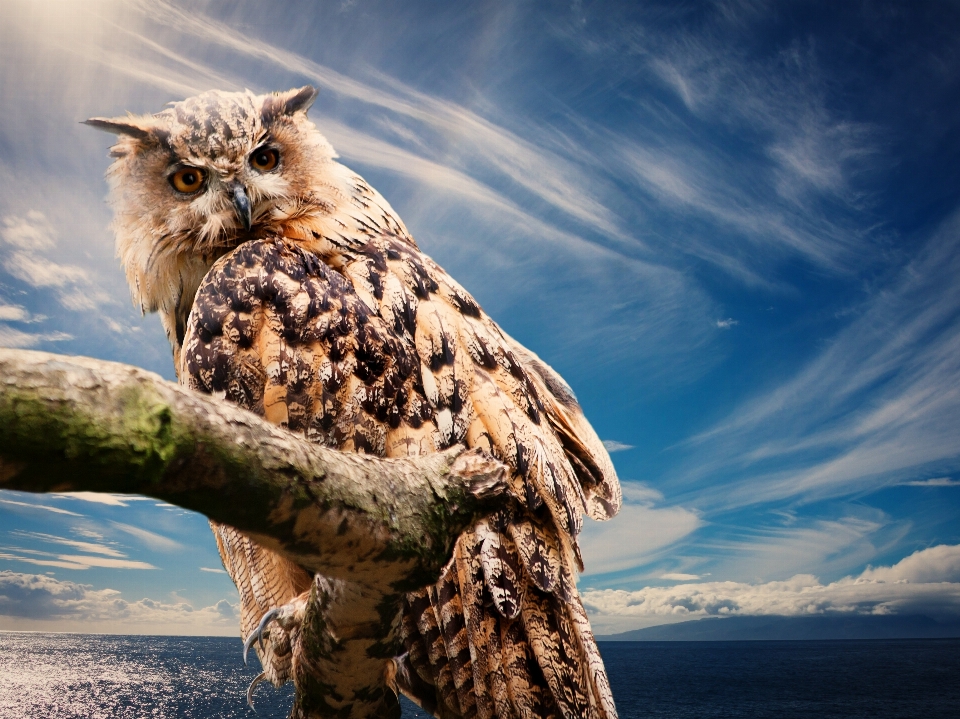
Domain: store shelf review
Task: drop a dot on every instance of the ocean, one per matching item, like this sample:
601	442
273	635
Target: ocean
67	676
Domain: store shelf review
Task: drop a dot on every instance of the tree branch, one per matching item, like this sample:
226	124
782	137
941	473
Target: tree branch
74	423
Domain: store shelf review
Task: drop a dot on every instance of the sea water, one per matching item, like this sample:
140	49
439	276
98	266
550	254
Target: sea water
67	676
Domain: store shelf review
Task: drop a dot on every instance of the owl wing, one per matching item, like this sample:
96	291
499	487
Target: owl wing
387	355
503	633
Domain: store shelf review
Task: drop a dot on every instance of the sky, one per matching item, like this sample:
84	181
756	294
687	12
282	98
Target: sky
733	227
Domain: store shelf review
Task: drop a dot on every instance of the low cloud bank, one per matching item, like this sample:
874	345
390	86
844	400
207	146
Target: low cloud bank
39	602
926	582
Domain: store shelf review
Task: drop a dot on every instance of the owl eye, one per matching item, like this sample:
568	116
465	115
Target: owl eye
187	180
264	159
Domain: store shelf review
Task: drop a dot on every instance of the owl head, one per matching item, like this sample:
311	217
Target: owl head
192	182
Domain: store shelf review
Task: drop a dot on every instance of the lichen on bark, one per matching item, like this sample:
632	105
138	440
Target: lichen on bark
78	424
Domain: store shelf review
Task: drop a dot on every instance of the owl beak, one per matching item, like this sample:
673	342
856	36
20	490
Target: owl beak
242	205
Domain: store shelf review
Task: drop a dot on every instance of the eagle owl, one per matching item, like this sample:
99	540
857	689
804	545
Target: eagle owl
288	285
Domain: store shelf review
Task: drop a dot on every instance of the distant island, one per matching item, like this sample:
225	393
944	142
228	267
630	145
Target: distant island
821	627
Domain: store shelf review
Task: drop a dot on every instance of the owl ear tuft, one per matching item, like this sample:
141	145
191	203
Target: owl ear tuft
120	126
287	103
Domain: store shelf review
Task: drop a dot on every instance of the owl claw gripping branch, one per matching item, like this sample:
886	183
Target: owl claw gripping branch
289	286
257	634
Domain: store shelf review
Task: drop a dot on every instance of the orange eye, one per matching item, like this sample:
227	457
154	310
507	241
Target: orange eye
264	159
187	180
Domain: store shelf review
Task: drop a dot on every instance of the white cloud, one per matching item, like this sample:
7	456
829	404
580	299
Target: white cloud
15	339
38	271
74	561
936	564
32	233
113	559
84	298
679	577
212	570
84	562
13	313
32	601
926	582
637	535
88	532
639	493
685	180
612	445
934	482
154	541
28	243
41	562
94	547
727	323
31	505
113	500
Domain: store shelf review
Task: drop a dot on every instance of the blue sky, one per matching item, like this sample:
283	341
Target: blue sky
732	226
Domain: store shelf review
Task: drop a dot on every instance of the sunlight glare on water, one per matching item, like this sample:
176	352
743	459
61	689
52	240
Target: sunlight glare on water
95	676
63	676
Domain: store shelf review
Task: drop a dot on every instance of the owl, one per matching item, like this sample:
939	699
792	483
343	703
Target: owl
288	285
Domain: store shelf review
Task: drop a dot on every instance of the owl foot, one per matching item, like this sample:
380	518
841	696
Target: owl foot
257	634
253	685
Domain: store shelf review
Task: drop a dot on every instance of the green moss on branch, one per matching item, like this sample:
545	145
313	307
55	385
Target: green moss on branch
77	424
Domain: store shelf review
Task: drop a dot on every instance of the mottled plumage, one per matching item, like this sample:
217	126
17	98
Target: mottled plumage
318	311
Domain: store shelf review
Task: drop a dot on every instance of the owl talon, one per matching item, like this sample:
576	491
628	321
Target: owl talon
253	685
257	634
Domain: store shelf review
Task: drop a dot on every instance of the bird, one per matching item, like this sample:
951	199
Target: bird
289	286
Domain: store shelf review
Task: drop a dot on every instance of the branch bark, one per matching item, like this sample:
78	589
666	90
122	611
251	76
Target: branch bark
79	424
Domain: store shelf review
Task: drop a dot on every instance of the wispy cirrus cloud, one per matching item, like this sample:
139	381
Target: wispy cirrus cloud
679	577
113	500
16	313
934	482
41	507
89	547
781	95
641	532
530	192
28	242
679	541
97	554
792	191
16	339
546	175
799	545
154	541
70	561
876	407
